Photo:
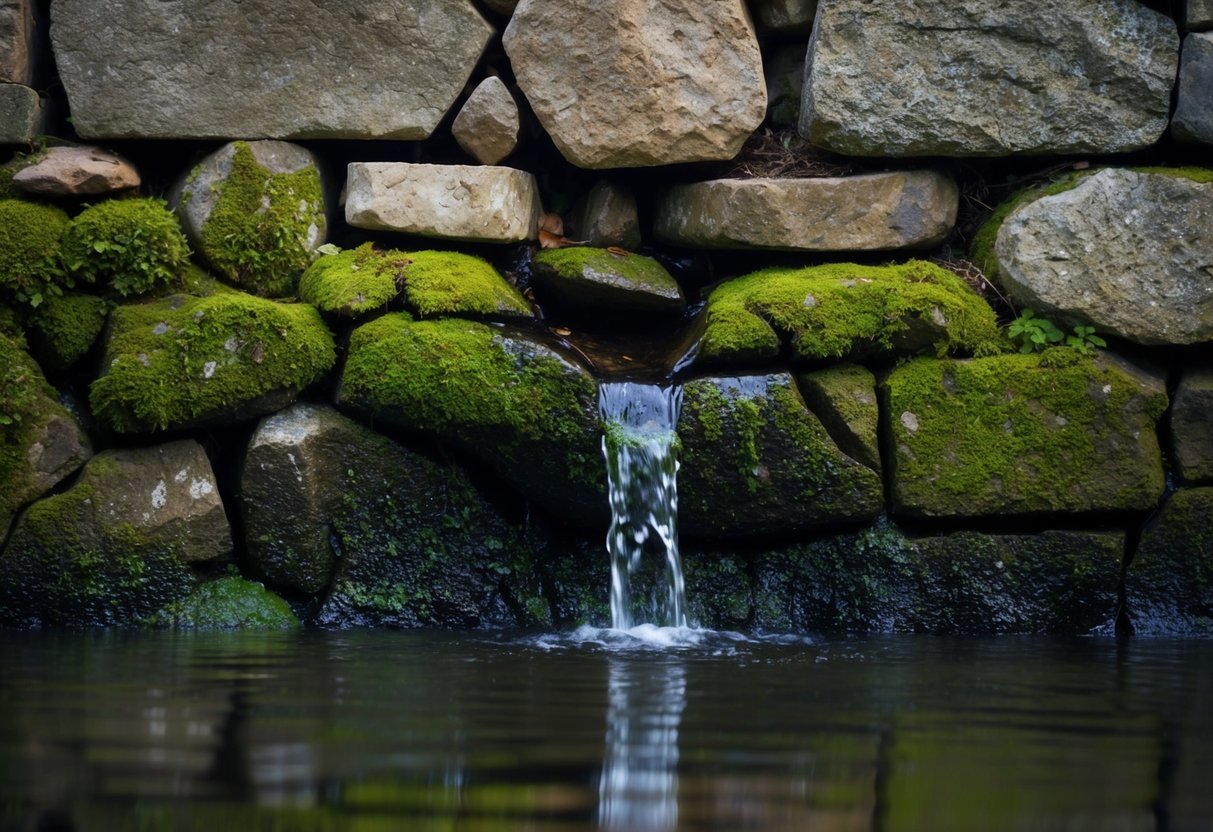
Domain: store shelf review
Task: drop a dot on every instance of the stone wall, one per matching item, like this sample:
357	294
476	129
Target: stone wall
318	299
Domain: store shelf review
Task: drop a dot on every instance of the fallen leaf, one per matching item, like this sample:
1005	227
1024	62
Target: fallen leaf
550	222
562	331
617	251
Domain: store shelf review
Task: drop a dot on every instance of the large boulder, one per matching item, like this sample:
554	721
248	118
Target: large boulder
476	203
1125	251
190	362
40	441
923	78
967	583
1192	425
632	83
16	41
401	540
844	310
851	213
1020	435
755	460
605	280
20	114
488	124
1169	584
1193	119
504	397
76	171
117	546
256	212
358	69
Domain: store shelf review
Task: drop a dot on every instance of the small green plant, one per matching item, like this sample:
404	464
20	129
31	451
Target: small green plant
1085	340
1032	333
132	245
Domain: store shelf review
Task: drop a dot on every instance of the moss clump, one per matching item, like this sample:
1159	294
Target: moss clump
263	226
449	283
64	328
130	245
24	398
602	278
189	361
229	603
840	310
844	398
350	282
29	248
1010	435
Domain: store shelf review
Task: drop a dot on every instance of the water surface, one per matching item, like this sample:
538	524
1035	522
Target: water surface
367	731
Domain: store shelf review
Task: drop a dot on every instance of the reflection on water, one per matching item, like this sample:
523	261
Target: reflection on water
361	732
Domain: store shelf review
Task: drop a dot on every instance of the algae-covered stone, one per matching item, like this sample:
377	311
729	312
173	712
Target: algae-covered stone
964	583
256	212
1022	435
351	283
598	278
40	442
116	547
845	310
187	361
507	398
228	603
129	246
65	327
754	460
1169	584
844	399
1192	425
29	247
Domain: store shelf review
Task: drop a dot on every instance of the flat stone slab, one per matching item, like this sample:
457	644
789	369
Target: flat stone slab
258	69
602	279
1193	119
924	78
476	203
851	213
77	171
20	114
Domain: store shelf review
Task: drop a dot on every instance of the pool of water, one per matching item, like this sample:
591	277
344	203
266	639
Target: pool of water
397	730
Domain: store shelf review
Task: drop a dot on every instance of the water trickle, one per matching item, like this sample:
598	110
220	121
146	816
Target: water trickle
642	468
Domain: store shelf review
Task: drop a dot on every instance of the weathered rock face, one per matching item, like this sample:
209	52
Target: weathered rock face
632	83
256	212
20	114
189	362
880	581
756	461
786	15
876	211
1125	251
1169	584
114	548
1192	425
921	78
16	41
517	404
596	278
77	171
844	399
607	216
453	202
1199	14
1193	119
239	69
785	79
487	126
1011	435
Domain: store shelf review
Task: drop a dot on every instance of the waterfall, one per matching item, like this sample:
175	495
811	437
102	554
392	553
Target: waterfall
640	446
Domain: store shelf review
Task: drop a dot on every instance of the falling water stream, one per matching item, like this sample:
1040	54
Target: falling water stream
642	469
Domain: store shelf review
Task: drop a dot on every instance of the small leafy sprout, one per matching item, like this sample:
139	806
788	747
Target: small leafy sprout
1034	334
1085	340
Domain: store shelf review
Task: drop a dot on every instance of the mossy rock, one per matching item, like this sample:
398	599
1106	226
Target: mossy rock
64	328
879	581
1169	584
844	310
598	278
188	362
41	443
29	251
508	399
228	603
256	212
844	399
1019	435
128	246
350	283
756	461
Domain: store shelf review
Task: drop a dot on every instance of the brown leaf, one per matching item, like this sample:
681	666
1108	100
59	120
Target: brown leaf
562	331
549	240
617	251
550	222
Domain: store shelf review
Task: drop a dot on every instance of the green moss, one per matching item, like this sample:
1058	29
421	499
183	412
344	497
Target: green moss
229	603
842	310
449	283
257	234
1014	435
64	328
29	247
24	399
130	245
844	398
183	360
350	282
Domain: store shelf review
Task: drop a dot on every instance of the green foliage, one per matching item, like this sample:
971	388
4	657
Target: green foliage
1085	340
1033	334
29	247
131	245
